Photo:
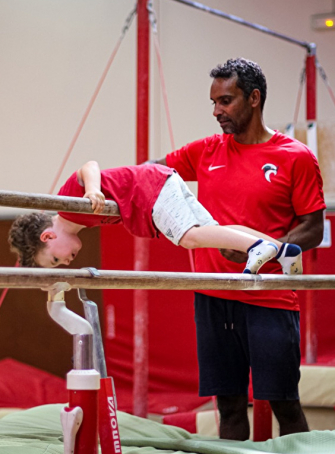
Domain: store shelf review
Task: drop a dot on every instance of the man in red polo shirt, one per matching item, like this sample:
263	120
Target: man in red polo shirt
260	178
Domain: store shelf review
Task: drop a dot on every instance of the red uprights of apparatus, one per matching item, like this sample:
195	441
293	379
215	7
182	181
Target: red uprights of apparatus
108	426
311	83
80	419
262	420
142	134
141	252
311	256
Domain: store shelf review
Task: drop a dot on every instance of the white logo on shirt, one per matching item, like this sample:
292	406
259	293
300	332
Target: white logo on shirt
268	170
169	233
211	167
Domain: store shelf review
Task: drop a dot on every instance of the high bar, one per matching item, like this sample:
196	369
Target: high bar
12	277
54	203
239	20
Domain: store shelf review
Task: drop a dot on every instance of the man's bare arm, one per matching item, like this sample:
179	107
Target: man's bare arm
308	234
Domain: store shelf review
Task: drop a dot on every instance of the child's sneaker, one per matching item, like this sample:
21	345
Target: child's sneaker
290	258
259	253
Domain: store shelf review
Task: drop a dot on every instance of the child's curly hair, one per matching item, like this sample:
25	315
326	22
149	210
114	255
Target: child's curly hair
24	236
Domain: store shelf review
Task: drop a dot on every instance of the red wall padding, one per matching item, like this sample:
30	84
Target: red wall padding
324	304
173	371
24	386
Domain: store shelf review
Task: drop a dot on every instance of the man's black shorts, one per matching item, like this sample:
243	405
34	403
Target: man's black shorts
234	336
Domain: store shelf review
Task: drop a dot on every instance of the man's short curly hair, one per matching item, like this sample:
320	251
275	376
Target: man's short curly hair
24	236
249	76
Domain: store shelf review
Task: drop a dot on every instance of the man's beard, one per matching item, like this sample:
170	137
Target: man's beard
237	128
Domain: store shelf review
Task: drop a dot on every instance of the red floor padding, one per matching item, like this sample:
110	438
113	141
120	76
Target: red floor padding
23	386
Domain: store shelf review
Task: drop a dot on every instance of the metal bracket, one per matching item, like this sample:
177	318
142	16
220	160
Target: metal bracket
67	319
93	271
92	316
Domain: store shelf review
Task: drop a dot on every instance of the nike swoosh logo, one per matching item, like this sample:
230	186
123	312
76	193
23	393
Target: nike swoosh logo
210	168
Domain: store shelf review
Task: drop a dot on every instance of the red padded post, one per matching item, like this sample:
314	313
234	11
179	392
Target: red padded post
141	252
262	420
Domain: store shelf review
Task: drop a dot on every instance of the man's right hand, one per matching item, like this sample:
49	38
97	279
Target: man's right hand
234	256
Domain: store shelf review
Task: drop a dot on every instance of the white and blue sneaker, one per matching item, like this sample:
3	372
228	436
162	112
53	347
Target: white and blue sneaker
290	258
259	253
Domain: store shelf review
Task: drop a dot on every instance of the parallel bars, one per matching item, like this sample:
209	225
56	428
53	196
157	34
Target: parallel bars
54	203
11	277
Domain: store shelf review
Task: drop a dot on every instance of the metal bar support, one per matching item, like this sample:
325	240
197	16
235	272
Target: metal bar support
141	250
241	21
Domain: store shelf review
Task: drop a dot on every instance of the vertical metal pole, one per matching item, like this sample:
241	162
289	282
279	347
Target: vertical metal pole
311	84
83	383
108	425
142	133
311	256
141	251
141	350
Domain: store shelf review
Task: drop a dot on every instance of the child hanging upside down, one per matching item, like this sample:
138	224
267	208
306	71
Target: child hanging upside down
151	199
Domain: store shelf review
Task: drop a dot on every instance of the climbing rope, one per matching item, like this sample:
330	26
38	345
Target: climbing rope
125	28
153	23
325	79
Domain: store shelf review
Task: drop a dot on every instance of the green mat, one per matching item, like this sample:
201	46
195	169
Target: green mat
38	431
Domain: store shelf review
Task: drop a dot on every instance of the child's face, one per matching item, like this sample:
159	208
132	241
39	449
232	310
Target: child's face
60	250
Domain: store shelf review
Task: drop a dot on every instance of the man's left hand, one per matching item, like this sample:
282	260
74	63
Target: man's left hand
234	256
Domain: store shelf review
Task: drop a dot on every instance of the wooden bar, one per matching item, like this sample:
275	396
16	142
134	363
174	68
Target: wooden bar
53	203
12	277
